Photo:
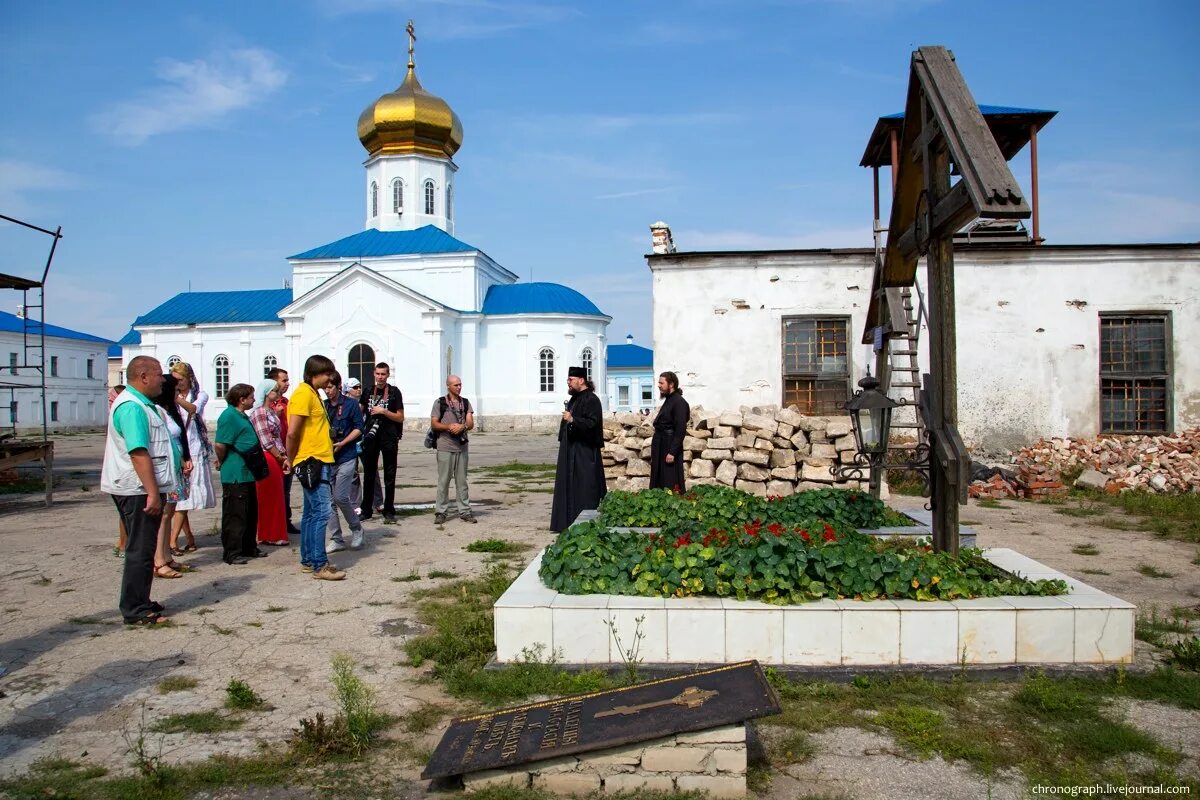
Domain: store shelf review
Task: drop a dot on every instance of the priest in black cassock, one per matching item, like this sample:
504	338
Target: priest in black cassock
666	448
579	481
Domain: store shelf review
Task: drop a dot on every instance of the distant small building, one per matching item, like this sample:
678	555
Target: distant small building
631	379
76	386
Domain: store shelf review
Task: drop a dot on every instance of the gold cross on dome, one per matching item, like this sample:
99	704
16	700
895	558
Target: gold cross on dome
412	41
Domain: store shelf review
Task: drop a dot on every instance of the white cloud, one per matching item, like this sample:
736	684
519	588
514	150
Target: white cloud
193	94
20	181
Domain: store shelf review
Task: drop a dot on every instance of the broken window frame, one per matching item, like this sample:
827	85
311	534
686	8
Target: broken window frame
1135	379
817	399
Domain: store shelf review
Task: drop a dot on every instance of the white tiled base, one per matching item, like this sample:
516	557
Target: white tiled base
1086	626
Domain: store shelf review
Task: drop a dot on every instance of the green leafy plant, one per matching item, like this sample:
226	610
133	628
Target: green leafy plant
238	694
771	561
495	546
1185	653
357	701
631	657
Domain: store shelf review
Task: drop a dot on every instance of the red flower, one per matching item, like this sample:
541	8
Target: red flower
648	549
829	535
804	535
775	528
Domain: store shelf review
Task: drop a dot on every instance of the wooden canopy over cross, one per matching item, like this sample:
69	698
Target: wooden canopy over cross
944	133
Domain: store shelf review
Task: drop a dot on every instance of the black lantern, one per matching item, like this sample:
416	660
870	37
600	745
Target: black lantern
871	415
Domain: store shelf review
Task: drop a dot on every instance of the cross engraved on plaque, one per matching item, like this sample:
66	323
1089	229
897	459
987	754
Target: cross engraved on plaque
691	697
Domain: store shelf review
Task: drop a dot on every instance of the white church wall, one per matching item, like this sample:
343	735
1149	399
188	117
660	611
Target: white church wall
413	170
1028	328
509	361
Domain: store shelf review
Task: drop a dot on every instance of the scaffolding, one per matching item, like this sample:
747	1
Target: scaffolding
15	450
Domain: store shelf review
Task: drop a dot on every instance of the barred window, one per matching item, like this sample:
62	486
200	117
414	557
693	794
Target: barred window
269	363
1135	373
397	196
222	375
546	370
428	197
816	364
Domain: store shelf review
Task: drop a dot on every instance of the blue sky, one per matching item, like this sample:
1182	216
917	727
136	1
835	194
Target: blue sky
202	143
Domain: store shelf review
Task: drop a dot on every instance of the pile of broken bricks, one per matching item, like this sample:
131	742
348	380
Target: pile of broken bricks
1161	464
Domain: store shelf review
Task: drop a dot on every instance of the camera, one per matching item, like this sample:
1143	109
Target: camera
371	428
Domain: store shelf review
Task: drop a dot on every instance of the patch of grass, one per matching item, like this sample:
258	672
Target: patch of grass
196	722
969	522
65	591
275	609
495	546
330	611
354	729
1085	550
1151	571
1090	510
200	612
239	695
23	486
409	578
1173	516
905	483
1185	653
515	469
254	624
86	621
1154	627
42	581
218	629
987	502
176	683
1094	572
423	718
460	642
413	512
442	573
378	603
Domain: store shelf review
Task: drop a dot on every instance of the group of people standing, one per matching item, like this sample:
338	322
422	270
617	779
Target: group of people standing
579	482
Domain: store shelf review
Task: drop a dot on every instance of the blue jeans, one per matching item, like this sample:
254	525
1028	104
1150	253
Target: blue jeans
312	524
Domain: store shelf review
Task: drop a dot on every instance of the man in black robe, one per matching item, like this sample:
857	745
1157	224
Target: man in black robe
666	448
579	480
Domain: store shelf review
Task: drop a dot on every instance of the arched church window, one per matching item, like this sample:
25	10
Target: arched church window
428	197
546	370
449	202
585	361
397	196
374	199
172	361
222	375
269	363
362	364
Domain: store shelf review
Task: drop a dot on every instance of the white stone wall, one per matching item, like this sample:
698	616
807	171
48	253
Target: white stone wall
82	402
1028	327
712	761
509	367
414	170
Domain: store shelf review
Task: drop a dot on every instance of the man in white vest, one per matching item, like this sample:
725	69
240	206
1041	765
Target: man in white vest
138	470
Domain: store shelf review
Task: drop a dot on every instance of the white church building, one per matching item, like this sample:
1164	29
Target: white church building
404	291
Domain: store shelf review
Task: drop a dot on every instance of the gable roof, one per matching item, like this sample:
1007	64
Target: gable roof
425	240
629	356
331	284
11	323
537	298
194	308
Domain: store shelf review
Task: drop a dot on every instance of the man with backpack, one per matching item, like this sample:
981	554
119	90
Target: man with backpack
450	418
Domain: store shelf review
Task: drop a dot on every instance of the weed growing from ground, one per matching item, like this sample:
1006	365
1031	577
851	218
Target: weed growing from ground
442	573
1185	653
1094	572
1085	550
357	702
196	722
423	718
631	659
239	695
1151	571
409	578
495	546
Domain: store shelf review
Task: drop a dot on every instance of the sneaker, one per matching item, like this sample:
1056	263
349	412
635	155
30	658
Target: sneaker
468	517
306	568
439	519
334	546
356	539
389	519
329	573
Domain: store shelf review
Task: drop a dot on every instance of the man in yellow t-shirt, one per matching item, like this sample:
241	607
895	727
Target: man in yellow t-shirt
310	449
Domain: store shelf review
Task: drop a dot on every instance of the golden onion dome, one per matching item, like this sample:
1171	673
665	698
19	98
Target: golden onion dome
410	120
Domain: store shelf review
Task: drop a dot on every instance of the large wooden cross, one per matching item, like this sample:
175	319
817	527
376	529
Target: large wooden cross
943	127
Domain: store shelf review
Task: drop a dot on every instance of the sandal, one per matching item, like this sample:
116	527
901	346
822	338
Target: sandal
153	618
165	571
190	548
175	551
180	567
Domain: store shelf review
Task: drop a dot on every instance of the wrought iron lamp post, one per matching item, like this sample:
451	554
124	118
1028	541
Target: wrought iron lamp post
870	413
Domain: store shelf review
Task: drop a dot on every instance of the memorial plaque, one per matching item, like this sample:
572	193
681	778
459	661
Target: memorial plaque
582	723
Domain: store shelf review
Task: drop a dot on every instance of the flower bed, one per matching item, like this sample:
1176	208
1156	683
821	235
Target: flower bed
712	543
723	506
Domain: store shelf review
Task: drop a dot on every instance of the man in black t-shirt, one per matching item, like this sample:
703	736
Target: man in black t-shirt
383	409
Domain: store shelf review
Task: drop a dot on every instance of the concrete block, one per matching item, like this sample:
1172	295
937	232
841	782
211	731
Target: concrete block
693	444
1045	635
787	416
1104	636
785	430
722	431
476	781
696	633
837	428
731	418
845	443
555	765
1091	479
766	445
812	633
675	759
754	634
987	631
578	783
629	756
731	760
928	632
520	628
751	456
800	444
766	426
870	632
717	786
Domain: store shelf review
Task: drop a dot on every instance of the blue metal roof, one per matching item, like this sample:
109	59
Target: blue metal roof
537	298
371	242
992	111
11	323
194	308
629	356
133	337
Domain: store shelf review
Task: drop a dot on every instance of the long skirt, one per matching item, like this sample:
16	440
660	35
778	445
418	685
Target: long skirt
200	489
272	515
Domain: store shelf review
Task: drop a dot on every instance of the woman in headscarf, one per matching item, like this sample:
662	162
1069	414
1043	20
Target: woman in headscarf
192	400
164	565
272	513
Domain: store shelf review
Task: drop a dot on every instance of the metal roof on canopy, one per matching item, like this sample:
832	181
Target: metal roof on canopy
1010	126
